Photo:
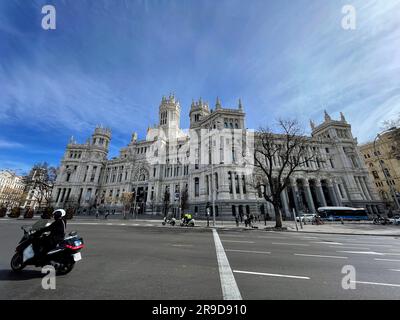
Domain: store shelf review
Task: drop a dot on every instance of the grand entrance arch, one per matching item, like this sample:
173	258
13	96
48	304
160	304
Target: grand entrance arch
140	189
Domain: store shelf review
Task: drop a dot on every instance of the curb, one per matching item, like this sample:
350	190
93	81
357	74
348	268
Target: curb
348	234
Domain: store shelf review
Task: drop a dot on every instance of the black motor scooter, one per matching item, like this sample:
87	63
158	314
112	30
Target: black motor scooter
62	257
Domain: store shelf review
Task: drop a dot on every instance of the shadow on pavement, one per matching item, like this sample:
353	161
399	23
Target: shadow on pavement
9	275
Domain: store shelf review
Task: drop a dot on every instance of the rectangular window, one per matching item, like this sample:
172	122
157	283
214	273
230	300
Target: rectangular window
237	183
375	174
196	187
230	182
80	196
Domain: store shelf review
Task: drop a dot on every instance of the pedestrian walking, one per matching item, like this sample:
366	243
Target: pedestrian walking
237	220
246	220
107	214
208	216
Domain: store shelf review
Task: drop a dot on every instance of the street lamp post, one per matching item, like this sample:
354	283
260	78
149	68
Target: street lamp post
392	191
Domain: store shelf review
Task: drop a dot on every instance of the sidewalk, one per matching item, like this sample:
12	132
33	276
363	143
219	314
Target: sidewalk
348	228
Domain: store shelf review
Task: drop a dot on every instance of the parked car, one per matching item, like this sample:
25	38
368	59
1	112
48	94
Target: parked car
395	219
309	217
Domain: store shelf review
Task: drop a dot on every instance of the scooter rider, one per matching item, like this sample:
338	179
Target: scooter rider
186	218
57	233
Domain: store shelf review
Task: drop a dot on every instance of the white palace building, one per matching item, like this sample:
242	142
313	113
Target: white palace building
212	161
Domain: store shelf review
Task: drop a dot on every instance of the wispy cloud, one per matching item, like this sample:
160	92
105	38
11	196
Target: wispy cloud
9	144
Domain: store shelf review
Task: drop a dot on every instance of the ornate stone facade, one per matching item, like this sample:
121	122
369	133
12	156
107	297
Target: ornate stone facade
211	161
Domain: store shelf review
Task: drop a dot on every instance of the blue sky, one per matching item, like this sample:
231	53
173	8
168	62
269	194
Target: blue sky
110	62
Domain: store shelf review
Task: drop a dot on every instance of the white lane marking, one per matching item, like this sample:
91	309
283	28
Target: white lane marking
342	247
182	245
395	260
247	251
369	244
266	237
272	274
291	244
396	270
377	283
319	256
230	290
363	252
232	235
328	242
237	241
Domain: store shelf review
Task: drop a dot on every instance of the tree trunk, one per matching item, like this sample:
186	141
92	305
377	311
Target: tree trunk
278	216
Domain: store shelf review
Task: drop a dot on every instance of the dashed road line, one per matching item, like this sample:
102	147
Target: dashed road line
238	241
394	260
272	274
247	251
291	244
377	283
319	256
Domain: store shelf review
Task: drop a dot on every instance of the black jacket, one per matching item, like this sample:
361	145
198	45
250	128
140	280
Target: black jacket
57	230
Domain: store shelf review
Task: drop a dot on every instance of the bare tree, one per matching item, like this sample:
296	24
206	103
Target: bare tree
277	157
41	180
127	201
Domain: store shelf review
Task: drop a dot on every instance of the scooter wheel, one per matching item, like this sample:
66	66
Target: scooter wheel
17	263
172	223
65	268
163	223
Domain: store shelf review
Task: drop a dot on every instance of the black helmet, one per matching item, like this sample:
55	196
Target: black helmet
59	213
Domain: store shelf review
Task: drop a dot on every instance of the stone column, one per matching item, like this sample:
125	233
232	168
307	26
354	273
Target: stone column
285	202
295	192
366	191
240	185
360	188
332	194
320	194
337	192
233	181
309	198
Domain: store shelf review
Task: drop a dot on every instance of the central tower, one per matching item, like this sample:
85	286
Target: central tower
169	115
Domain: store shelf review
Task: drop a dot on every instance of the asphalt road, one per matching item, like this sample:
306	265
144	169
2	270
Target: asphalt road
174	263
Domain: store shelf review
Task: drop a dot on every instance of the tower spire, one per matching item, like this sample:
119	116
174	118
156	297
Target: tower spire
327	116
218	104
